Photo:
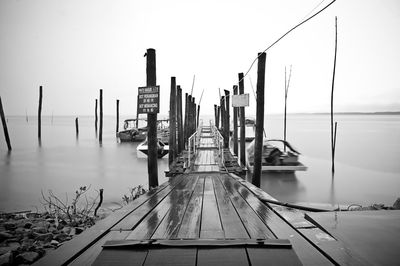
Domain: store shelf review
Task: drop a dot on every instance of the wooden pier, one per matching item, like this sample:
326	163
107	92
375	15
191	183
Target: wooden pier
205	216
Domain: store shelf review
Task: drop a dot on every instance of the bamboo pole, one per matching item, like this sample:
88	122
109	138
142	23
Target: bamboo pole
259	120
117	125
242	124
4	122
172	122
151	80
235	124
181	143
40	113
333	129
286	94
101	117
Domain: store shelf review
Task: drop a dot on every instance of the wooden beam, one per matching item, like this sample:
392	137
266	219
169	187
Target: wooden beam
242	124
172	122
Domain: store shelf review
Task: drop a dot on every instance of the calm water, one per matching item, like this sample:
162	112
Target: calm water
367	161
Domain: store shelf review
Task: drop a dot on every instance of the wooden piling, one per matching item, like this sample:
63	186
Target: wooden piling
193	115
222	107
151	80
218	115
259	120
189	117
101	117
117	126
235	124
226	120
198	115
242	124
4	122
215	115
76	126
180	138
185	128
40	113
172	122
95	117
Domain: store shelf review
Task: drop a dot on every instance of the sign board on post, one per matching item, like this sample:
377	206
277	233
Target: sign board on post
149	100
240	100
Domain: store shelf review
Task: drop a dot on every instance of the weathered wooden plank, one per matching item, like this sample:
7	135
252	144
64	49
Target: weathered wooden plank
255	227
146	228
134	217
121	257
190	226
222	257
171	256
231	223
89	256
172	221
71	249
210	222
272	256
308	254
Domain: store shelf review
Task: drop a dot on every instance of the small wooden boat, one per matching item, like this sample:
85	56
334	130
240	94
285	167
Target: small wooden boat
275	158
131	132
250	128
162	148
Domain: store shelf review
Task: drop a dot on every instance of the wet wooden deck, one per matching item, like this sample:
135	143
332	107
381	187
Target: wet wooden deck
203	217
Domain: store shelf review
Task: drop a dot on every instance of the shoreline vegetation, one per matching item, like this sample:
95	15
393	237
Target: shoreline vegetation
27	236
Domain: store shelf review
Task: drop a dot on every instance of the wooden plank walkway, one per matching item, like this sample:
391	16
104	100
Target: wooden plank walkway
203	217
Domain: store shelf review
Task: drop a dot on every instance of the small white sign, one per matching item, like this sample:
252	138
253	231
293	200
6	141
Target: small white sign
241	100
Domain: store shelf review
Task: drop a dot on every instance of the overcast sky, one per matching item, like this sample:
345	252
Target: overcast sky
75	47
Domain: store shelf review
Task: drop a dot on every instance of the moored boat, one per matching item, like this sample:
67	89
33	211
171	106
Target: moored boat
274	158
162	148
131	132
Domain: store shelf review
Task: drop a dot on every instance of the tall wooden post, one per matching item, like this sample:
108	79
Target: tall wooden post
259	120
101	117
151	80
95	117
242	124
218	115
172	122
215	115
181	143
40	113
194	115
117	126
76	126
198	116
235	124
137	112
222	107
4	122
185	133
189	122
227	119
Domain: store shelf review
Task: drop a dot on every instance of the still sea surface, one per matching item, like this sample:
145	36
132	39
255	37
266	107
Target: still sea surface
367	161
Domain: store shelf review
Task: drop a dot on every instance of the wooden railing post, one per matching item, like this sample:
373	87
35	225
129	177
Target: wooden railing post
235	124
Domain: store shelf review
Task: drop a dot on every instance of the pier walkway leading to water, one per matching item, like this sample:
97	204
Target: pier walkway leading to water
205	216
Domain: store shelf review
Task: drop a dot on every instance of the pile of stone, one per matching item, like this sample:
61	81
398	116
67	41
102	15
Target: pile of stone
26	237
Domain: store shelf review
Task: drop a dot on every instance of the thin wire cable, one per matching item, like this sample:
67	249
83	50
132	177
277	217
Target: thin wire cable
284	35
